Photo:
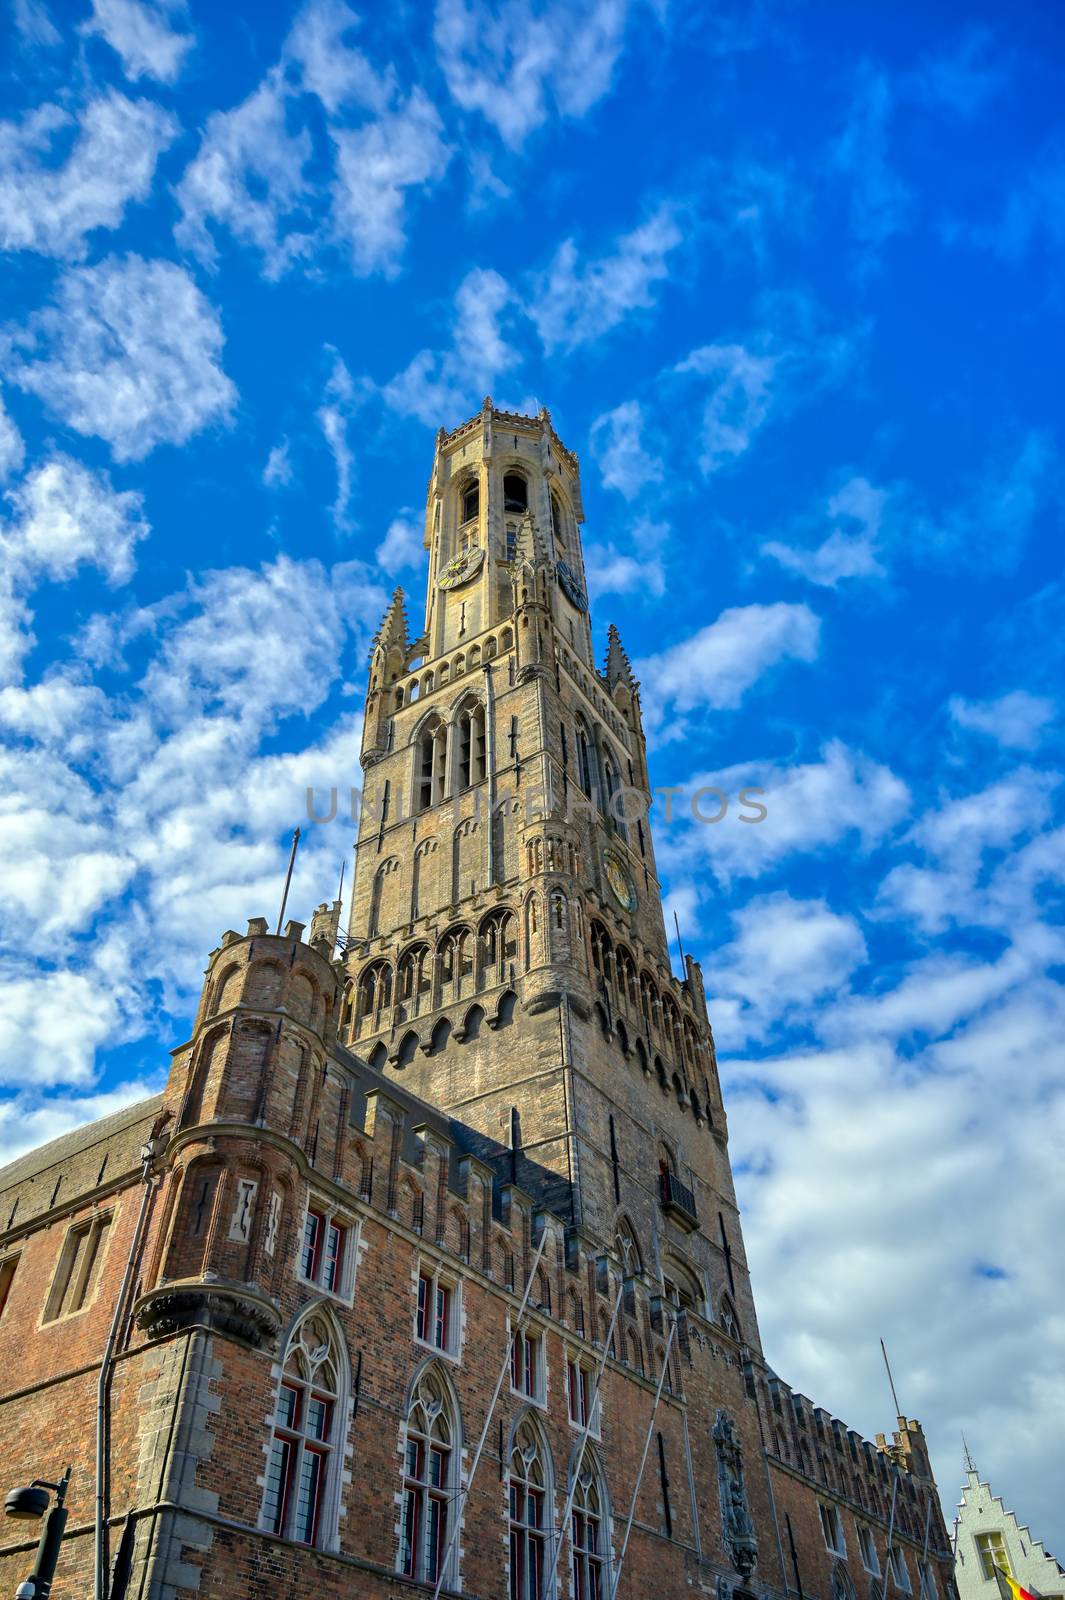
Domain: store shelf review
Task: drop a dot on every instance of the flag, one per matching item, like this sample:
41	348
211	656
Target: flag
1010	1589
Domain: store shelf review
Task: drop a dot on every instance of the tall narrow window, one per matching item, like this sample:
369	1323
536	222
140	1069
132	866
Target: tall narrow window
7	1273
587	1535
324	1253
515	493
526	1363
471	745
303	1452
584	766
528	1515
430	765
471	502
78	1271
428	1479
434	1319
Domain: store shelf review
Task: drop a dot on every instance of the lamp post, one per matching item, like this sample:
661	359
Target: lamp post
27	1505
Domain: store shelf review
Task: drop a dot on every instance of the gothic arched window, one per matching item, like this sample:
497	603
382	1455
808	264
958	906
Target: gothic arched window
558	525
301	1497
628	1250
471	501
588	1532
430	1480
515	492
584	763
471	745
529	1519
430	765
374	996
728	1319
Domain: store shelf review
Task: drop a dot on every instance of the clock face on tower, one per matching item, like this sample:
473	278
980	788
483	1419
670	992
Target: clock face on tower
616	874
461	568
571	586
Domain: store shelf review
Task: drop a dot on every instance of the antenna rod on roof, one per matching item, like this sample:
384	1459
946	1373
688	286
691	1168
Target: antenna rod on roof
890	1379
680	944
288	880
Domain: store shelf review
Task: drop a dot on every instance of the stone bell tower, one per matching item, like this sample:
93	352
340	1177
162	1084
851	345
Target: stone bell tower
506	953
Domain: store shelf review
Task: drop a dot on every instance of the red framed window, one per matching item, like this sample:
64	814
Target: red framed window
312	1244
322	1253
433	1322
427	1481
580	1393
525	1363
297	1470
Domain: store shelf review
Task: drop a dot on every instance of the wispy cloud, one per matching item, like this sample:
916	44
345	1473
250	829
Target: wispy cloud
513	65
112	148
333	415
577	301
1017	721
439	386
129	351
617	440
143	35
854	513
880	200
965	79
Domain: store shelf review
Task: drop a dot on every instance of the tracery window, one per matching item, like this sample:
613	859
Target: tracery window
528	1518
587	1533
428	1478
471	753
306	1428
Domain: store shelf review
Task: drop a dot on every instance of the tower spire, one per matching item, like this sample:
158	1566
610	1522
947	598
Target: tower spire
618	667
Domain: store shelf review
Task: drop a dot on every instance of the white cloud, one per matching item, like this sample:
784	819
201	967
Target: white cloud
574	303
66	514
880	202
113	151
1016	721
509	63
855	513
277	472
130	352
810	806
12	449
617	445
141	34
785	955
965	79
247	176
440	386
336	72
991	524
738	402
612	571
333	415
716	666
375	165
26	1121
34	25
402	544
962	831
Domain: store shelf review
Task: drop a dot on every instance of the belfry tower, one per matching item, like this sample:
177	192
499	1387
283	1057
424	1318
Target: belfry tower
506	954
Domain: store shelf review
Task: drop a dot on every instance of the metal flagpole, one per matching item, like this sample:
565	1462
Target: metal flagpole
463	1494
579	1456
890	1379
288	880
643	1460
890	1535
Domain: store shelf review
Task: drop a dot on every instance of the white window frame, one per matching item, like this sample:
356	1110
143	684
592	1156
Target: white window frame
538	1395
867	1542
588	1368
900	1572
92	1268
927	1586
832	1512
985	1557
440	1278
332	1216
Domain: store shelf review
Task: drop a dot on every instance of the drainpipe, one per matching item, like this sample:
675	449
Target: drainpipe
148	1153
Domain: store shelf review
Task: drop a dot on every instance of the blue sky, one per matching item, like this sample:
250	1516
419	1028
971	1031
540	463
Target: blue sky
789	280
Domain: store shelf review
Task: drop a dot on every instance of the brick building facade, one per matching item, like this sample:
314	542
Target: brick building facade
475	1140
